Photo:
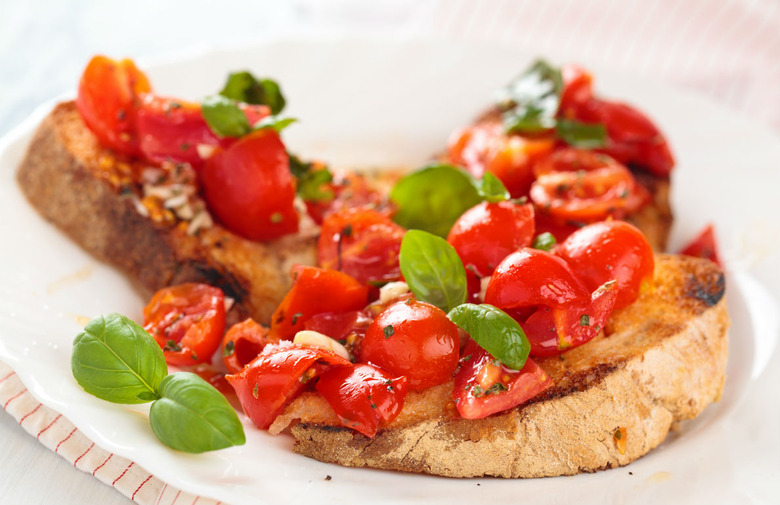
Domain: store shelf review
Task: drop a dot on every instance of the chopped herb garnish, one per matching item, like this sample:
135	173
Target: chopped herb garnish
256	391
229	349
585	320
172	345
295	317
388	330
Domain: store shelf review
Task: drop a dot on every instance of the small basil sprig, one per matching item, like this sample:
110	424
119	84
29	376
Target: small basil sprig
544	241
245	87
495	331
115	360
312	179
432	269
530	104
434	197
192	416
224	117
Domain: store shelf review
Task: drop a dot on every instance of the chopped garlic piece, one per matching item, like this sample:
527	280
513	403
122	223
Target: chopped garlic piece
392	291
317	339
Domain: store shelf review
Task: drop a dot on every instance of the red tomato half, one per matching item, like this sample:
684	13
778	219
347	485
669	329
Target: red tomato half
316	291
483	386
249	187
577	89
242	343
533	277
611	250
488	232
276	377
364	397
171	129
361	242
187	321
414	339
350	190
552	331
704	246
107	100
584	186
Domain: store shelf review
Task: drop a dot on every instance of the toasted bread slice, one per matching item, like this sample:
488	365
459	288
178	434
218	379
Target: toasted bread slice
97	200
662	360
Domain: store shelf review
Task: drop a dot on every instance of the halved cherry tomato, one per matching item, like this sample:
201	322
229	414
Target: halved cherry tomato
350	190
336	325
704	246
187	321
171	129
361	242
611	250
632	137
488	232
483	386
414	339
316	291
242	343
533	277
249	187
273	379
584	186
577	90
364	397
107	100
552	331
485	147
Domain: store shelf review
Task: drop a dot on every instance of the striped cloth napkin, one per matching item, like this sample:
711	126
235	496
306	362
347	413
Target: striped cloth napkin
727	50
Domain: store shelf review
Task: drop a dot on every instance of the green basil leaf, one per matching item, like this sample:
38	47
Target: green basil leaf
495	331
116	360
298	167
432	269
275	123
491	189
245	87
582	135
224	117
192	416
544	241
433	198
531	101
311	186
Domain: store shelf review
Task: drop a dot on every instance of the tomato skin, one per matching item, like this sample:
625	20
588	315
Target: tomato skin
475	381
187	321
584	186
534	277
414	339
488	232
242	343
485	147
350	190
316	291
364	397
361	242
552	331
273	379
611	250
577	89
107	99
704	246
249	187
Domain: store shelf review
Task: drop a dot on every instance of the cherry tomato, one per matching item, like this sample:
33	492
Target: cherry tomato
350	190
584	186
485	147
533	277
171	130
242	343
611	250
187	321
216	378
107	99
364	397
361	242
577	90
336	325
704	246
488	232
273	379
552	331
414	339
483	386
249	187
316	291
632	136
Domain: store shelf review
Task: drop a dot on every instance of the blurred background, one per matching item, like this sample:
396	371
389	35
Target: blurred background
725	50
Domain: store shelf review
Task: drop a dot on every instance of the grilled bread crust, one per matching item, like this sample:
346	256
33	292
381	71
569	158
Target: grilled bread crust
662	360
78	186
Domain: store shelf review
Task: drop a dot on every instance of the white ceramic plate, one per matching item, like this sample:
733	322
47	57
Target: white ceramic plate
378	103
